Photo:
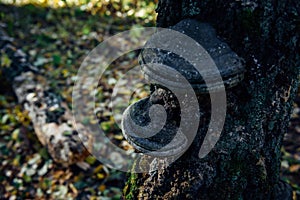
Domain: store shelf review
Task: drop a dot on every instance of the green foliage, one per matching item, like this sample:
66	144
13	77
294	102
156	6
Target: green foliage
143	10
56	41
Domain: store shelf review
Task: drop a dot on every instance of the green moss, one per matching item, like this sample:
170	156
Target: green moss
130	189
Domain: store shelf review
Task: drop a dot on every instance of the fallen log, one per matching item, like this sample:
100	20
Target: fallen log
68	143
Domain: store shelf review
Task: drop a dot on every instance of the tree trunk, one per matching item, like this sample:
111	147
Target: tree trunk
245	163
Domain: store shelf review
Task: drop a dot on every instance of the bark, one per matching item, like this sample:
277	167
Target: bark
245	163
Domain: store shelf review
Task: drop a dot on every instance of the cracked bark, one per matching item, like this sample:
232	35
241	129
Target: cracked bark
245	163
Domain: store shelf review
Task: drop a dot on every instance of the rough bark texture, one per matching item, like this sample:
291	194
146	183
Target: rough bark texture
245	163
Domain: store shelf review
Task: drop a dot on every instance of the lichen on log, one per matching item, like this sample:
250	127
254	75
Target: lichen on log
68	143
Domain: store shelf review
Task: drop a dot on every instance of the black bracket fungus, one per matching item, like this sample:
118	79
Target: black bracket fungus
229	66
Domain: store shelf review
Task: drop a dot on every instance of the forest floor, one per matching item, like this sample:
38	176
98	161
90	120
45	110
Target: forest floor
57	41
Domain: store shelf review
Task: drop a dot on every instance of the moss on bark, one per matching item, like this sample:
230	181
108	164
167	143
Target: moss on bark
245	163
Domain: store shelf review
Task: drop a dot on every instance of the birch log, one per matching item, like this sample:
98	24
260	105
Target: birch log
68	143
